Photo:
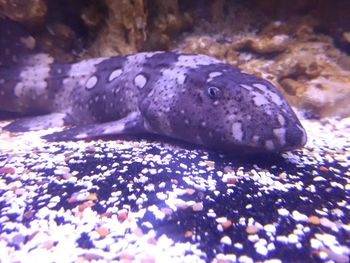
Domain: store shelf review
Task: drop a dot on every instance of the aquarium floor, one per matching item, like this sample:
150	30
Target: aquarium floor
150	201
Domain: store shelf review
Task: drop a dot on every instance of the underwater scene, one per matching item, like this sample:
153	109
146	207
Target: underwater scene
174	131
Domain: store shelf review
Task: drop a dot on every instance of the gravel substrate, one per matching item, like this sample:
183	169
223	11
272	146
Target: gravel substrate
151	201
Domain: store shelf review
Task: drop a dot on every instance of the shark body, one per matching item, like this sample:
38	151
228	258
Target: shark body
190	97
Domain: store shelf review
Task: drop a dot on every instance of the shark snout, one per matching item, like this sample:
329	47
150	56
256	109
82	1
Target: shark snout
295	137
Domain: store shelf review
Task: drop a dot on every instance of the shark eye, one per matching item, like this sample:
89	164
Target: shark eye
214	92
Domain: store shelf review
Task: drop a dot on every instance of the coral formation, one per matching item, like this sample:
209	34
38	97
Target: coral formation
312	75
123	31
166	20
29	12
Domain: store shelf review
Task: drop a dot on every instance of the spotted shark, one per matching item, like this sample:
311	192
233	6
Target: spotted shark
189	97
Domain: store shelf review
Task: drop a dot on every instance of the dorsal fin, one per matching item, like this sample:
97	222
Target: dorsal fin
16	44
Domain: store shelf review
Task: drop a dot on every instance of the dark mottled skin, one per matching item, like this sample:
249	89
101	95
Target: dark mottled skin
194	98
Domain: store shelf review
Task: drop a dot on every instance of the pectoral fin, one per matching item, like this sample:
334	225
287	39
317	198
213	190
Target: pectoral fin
42	122
131	124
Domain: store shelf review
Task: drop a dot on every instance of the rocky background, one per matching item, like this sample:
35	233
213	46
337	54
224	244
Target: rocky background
302	46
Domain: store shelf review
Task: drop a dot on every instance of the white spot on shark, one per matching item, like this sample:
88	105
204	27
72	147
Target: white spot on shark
81	136
281	120
259	99
237	131
261	87
181	79
59	71
78	75
140	81
190	61
151	54
213	75
91	83
115	74
19	89
33	77
171	74
280	134
247	87
272	95
269	145
275	98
